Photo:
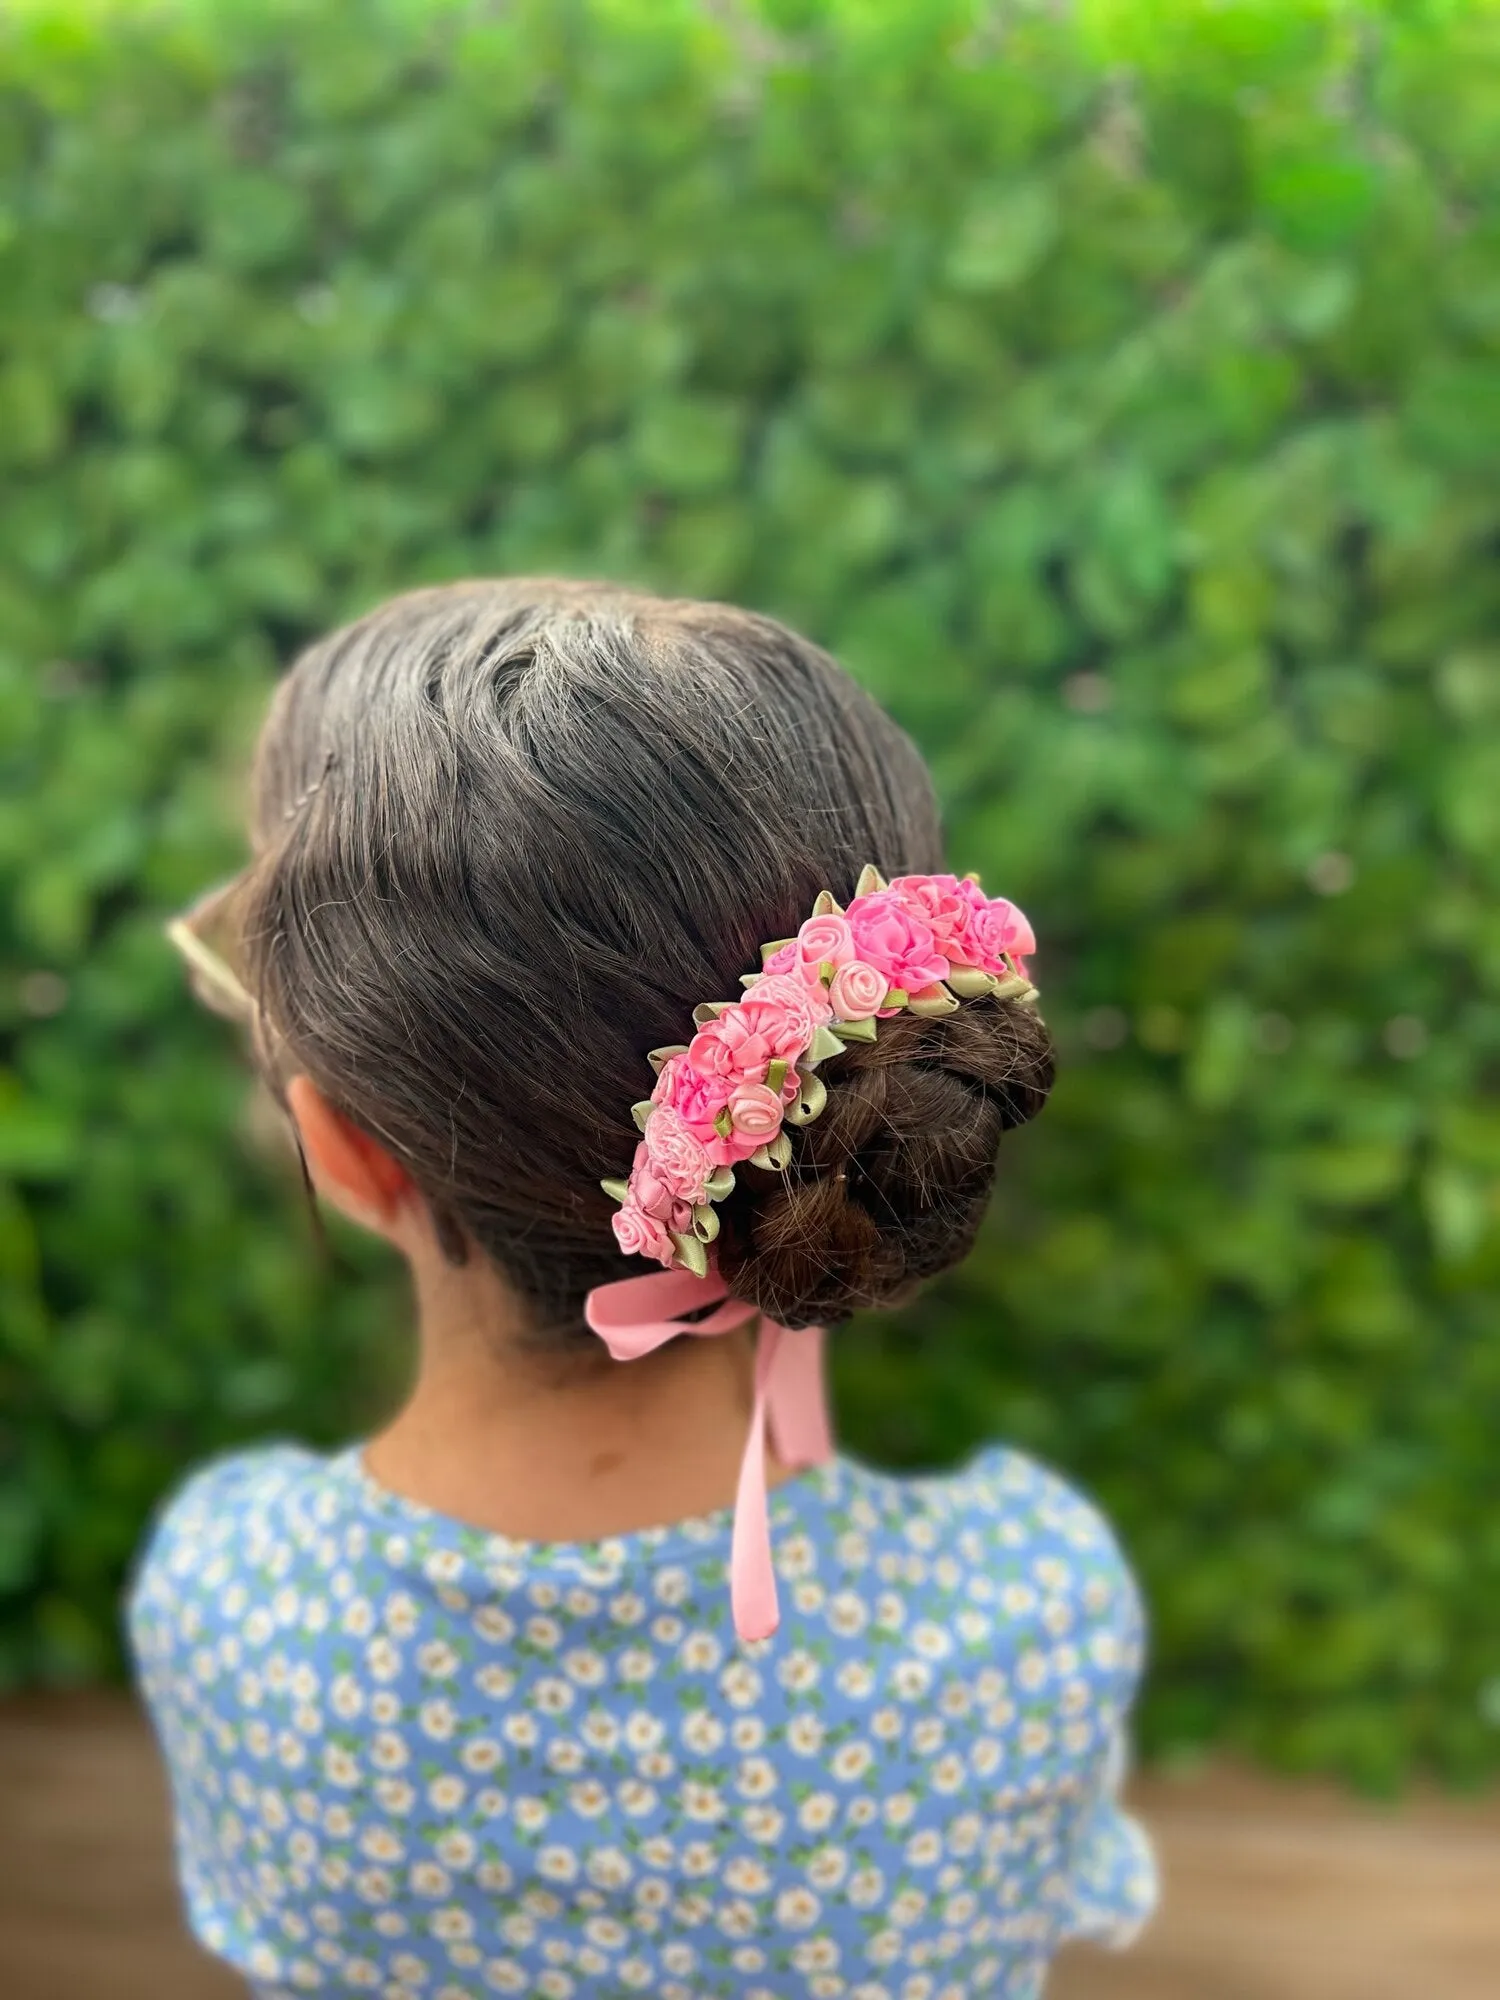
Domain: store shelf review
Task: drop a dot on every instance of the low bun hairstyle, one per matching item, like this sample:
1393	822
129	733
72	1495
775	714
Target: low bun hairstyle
507	835
890	1184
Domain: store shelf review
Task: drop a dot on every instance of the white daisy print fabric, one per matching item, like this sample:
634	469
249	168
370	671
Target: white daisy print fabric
419	1761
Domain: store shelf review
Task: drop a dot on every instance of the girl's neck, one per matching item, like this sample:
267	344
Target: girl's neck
565	1448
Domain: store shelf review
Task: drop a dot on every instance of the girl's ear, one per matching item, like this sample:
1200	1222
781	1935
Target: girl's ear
347	1166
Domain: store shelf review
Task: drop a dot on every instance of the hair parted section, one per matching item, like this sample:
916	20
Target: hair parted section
507	835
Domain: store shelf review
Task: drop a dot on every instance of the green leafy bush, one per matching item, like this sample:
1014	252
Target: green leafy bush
1121	397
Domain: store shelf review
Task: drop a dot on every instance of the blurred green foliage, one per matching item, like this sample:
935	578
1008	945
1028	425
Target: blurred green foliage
1119	393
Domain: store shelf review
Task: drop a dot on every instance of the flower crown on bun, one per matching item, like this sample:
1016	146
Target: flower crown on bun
919	945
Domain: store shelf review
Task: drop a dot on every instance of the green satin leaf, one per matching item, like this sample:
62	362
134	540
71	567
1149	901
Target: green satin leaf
705	1223
932	1003
691	1254
809	1104
814	1095
969	983
825	1042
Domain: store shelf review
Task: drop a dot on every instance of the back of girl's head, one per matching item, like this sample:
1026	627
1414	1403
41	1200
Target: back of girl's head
507	837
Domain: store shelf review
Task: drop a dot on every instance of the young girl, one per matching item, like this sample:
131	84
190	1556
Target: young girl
514	1697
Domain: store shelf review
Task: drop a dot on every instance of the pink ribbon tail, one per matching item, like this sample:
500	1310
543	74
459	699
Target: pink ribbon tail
752	1576
635	1315
797	1401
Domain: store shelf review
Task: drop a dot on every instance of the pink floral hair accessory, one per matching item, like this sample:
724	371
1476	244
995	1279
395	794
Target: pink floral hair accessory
920	944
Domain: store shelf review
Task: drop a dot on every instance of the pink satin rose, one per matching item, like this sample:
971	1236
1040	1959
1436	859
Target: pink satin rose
774	1022
857	991
655	1194
787	1012
996	929
941	904
677	1157
755	1112
891	937
697	1099
642	1235
821	941
730	1050
824	941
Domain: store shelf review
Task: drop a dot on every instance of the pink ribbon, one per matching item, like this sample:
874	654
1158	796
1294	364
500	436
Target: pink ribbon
635	1315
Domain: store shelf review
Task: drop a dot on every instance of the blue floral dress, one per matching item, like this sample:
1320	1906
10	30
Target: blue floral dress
413	1759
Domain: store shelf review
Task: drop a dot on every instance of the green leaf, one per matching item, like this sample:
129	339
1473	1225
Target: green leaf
691	1254
1002	235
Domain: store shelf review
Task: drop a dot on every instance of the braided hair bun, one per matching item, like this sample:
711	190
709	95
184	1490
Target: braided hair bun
889	1185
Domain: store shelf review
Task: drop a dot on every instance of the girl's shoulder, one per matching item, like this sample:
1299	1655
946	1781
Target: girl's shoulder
233	1508
1003	1552
1002	1492
1001	1506
1006	1533
214	1499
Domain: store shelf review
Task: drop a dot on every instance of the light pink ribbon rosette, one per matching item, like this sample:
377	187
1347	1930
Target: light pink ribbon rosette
638	1314
922	945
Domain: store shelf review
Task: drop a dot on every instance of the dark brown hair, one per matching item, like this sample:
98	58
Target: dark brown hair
508	834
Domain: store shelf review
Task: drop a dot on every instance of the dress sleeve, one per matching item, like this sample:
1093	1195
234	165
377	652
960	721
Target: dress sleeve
1102	1881
173	1621
1112	1886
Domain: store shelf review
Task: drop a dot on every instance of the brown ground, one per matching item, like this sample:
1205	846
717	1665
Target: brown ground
1274	1892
